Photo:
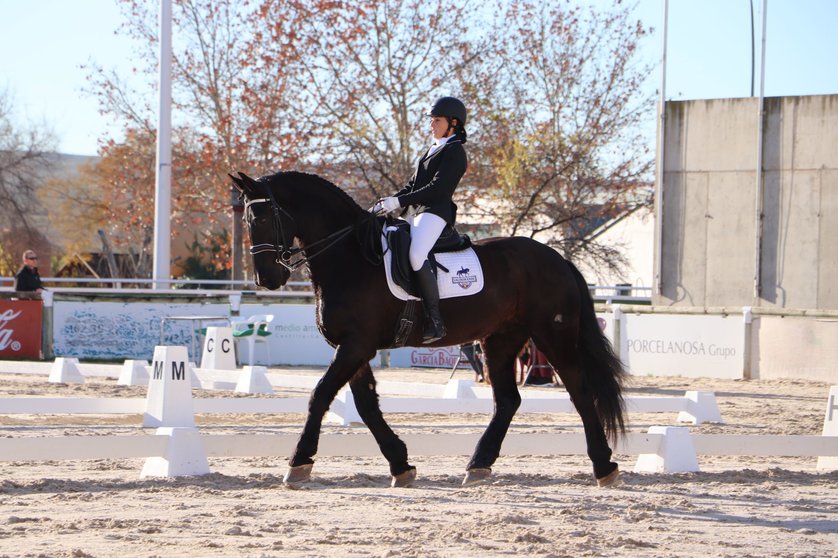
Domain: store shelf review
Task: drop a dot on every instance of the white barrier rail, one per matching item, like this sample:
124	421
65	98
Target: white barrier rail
343	408
178	449
364	445
765	445
131	406
81	447
265	445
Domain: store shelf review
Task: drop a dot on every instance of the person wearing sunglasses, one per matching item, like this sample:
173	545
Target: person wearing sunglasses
27	279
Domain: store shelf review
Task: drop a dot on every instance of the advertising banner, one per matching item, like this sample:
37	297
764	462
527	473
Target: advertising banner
672	345
295	339
20	328
427	357
126	330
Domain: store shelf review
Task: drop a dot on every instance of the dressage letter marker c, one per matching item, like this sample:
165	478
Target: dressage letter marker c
225	345
214	359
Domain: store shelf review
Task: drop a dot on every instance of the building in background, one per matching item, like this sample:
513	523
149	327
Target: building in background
728	239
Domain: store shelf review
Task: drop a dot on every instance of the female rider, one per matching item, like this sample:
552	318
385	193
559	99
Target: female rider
426	201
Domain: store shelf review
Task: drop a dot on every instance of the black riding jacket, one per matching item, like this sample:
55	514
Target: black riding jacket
437	176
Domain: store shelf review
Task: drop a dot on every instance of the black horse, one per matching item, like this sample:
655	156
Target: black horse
530	292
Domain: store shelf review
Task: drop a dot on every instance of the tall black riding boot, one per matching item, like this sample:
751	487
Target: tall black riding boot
426	281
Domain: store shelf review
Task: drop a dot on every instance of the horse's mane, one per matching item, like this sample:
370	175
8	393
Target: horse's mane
309	177
367	227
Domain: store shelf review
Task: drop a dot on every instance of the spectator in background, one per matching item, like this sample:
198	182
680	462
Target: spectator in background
474	354
27	279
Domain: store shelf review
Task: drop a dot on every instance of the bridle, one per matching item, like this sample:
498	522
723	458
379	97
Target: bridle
284	254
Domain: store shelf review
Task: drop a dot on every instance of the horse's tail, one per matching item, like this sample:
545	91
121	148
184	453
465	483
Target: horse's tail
602	371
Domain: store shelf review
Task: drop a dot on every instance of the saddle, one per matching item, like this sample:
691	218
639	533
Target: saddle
397	233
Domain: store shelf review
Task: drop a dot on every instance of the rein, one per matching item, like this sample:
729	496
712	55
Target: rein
284	254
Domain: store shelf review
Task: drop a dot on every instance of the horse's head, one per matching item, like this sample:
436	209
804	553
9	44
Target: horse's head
272	231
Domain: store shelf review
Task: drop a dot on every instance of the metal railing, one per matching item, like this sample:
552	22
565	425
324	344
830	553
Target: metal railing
196	287
622	293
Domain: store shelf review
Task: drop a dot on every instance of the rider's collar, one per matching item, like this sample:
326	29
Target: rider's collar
442	141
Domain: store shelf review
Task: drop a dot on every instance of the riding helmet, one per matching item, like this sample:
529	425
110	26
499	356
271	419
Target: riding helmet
449	107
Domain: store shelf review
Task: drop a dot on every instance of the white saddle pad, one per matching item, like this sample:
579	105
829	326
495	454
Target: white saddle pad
464	277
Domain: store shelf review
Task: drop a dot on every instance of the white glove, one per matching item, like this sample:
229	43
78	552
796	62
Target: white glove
389	205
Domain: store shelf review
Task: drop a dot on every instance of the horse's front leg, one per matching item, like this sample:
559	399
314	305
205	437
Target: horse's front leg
347	361
393	449
500	351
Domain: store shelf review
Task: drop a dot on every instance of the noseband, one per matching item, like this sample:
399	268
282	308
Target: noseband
284	254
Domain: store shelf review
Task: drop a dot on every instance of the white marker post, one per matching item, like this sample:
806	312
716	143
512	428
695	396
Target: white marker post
65	371
169	399
133	373
343	410
701	408
253	379
219	350
169	406
459	389
676	453
830	428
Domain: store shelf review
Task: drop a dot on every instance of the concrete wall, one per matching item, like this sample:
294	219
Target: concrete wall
709	235
799	347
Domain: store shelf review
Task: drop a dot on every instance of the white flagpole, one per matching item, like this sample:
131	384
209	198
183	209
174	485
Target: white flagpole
163	181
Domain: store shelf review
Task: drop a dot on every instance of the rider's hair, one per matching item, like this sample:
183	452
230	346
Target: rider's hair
459	131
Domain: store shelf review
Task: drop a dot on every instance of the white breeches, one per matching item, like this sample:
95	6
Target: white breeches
425	229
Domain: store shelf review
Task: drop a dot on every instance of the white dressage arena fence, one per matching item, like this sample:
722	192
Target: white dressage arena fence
178	449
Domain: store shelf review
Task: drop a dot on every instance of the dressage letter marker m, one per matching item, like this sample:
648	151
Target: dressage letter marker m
179	370
158	369
169	399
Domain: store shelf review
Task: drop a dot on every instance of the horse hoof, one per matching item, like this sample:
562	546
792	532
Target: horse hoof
611	480
404	480
298	474
478	475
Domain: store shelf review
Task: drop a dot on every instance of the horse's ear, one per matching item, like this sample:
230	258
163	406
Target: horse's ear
236	181
244	183
246	179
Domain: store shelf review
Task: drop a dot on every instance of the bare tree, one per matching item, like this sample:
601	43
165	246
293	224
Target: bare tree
25	159
560	105
367	73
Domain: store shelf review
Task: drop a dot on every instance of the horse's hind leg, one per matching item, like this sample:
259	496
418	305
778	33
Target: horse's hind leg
560	348
500	351
394	450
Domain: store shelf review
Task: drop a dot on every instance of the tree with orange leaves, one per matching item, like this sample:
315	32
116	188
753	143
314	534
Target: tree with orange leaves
228	112
554	94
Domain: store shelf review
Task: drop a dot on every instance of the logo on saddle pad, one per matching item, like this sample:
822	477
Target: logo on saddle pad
463	279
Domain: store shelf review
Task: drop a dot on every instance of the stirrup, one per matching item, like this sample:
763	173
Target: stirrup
435	335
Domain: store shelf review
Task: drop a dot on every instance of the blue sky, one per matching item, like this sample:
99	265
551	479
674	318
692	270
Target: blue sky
43	43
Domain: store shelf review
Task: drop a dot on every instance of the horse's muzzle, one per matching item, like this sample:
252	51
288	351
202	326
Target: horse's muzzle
269	281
